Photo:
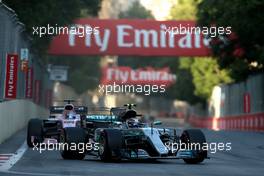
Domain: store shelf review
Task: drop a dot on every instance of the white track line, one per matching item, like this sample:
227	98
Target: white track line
35	174
14	158
4	167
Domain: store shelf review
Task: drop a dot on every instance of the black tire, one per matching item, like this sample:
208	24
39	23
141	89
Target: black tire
194	136
72	136
35	129
110	142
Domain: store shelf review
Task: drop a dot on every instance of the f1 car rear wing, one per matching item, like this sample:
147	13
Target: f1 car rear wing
77	109
117	111
98	111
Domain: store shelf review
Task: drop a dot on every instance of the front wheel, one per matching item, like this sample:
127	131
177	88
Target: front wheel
110	144
34	132
104	151
72	139
194	136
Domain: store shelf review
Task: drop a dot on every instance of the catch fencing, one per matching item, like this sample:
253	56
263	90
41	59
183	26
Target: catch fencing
244	97
238	106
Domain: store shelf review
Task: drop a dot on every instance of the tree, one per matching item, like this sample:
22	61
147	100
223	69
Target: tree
184	10
242	52
206	74
198	75
35	13
136	11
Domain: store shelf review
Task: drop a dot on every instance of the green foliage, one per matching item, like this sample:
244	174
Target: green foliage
183	89
91	7
83	71
35	13
186	62
206	74
136	11
196	75
184	10
242	52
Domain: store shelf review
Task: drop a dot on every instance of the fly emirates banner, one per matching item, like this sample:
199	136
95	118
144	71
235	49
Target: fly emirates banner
129	37
141	76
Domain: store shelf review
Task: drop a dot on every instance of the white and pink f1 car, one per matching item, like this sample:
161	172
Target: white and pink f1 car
49	130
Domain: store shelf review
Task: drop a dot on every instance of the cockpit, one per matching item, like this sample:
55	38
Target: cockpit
69	112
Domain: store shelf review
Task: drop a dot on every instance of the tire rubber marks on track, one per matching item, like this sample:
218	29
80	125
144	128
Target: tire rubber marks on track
8	160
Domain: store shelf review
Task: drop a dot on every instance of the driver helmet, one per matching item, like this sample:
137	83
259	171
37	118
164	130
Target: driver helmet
133	123
69	111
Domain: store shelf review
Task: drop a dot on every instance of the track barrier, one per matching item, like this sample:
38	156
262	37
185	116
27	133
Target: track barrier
246	122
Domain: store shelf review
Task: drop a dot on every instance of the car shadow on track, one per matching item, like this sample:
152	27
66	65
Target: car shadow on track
139	161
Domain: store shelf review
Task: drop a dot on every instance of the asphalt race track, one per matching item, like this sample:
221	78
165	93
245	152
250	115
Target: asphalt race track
246	158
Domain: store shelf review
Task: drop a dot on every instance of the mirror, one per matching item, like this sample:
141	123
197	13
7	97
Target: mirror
157	122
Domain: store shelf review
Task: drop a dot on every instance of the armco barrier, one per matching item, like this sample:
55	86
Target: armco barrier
247	122
15	114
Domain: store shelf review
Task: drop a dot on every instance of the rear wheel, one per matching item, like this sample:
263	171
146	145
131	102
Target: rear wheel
194	136
69	138
34	132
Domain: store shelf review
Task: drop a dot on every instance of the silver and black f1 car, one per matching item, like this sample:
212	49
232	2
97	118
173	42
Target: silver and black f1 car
120	135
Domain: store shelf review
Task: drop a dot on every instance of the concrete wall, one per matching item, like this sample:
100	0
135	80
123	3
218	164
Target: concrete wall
14	116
